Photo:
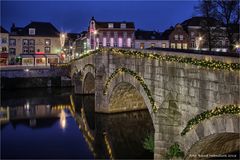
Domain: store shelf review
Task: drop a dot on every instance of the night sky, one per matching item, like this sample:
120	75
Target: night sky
74	16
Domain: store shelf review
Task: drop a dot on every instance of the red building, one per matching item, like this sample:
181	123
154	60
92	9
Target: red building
110	34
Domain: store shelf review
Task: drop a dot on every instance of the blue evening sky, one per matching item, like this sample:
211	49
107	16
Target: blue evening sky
74	16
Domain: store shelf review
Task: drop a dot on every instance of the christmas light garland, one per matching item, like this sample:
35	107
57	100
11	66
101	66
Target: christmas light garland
226	109
211	64
137	77
89	65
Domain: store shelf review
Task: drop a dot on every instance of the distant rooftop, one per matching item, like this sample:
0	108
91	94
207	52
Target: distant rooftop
3	30
147	35
41	29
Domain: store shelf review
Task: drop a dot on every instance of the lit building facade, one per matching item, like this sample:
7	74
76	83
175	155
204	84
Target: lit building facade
36	37
4	38
110	34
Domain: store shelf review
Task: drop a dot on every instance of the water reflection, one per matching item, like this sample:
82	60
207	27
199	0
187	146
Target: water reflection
32	127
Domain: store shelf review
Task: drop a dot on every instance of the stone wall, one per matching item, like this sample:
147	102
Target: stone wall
181	91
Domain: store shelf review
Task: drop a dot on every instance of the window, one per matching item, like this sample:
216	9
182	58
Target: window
4	49
120	42
111	42
25	42
124	34
152	45
173	45
142	45
181	37
108	44
176	37
47	42
25	50
184	45
193	44
31	42
31	31
179	46
47	49
104	42
12	42
123	25
163	45
31	50
4	40
110	25
12	51
115	45
129	42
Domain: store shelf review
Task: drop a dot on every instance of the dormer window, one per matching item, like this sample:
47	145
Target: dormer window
31	31
123	25
176	37
110	25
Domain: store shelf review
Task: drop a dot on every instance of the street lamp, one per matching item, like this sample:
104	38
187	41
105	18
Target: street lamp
198	42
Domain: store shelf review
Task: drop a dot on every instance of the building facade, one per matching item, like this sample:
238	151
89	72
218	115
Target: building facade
4	38
110	34
149	39
36	37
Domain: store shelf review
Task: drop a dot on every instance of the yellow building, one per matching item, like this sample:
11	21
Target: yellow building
35	38
4	40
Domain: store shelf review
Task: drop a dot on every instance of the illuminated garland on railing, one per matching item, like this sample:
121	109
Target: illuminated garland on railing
89	65
137	77
226	109
213	64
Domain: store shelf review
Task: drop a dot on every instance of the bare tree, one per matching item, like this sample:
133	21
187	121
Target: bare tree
207	9
228	13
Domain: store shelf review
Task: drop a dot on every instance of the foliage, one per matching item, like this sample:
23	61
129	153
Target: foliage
148	143
226	109
174	151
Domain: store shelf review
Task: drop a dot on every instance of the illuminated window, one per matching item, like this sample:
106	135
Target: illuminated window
110	25
142	45
31	31
111	42
25	50
184	45
163	45
104	42
179	45
31	49
129	41
173	45
120	42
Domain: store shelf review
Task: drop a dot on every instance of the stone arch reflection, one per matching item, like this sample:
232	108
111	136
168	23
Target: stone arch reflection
89	84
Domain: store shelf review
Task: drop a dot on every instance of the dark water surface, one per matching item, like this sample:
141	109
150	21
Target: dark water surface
55	123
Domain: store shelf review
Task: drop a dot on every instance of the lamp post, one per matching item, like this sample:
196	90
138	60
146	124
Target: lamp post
199	39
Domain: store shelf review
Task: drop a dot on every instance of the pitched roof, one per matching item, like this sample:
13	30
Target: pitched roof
147	35
199	21
166	33
3	30
44	29
115	24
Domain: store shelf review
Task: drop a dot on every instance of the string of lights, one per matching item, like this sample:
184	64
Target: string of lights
226	109
138	78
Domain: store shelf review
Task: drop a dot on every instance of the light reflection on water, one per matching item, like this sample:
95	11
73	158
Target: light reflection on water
55	123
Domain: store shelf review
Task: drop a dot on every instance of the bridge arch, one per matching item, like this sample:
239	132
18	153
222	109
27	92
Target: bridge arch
88	79
222	131
121	81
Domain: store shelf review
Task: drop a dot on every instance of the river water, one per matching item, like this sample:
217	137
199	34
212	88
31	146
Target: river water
55	123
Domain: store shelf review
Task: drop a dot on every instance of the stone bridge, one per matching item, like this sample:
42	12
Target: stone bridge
193	99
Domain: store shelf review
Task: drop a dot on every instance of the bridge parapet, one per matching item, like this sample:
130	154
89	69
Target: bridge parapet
175	87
